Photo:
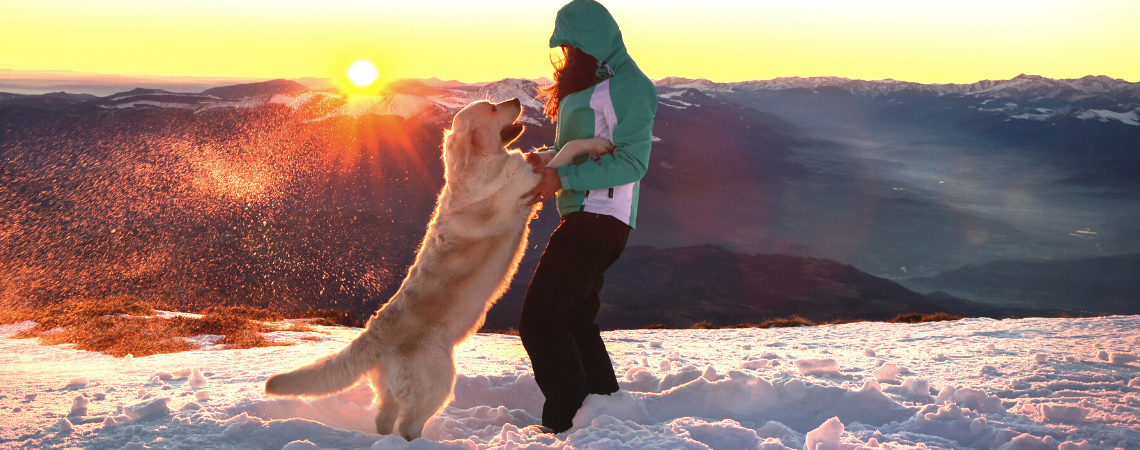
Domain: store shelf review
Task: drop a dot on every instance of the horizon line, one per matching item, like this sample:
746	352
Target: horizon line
79	76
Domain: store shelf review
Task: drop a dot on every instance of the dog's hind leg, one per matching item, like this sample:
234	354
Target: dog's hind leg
428	390
386	404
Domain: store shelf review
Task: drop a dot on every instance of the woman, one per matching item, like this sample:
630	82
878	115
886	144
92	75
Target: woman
598	91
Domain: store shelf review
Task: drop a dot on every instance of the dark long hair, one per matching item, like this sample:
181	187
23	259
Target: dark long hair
574	72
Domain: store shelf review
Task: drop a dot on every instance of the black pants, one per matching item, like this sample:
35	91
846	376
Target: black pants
557	322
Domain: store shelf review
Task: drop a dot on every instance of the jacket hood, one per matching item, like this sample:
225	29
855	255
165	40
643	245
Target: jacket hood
587	25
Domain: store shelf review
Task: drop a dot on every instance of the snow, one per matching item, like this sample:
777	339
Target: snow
197	380
403	105
300	100
1027	116
1064	413
825	366
888	373
77	382
779	388
507	89
1028	86
1104	115
826	437
79	406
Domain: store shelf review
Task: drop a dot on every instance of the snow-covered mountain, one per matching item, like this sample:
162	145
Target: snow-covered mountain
1090	98
428	100
438	101
898	179
1021	87
1025	97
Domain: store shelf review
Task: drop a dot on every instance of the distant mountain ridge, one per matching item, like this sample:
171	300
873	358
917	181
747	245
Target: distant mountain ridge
1105	285
264	88
678	287
49	101
900	185
1024	97
1020	87
1099	98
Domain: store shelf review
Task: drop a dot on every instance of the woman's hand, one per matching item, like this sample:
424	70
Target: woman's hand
546	188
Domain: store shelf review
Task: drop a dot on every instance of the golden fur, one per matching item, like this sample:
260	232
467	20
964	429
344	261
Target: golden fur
468	256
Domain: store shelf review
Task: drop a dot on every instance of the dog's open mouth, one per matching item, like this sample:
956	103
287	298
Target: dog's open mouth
512	132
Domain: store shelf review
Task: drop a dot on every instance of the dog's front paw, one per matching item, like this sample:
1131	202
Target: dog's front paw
594	147
540	159
598	146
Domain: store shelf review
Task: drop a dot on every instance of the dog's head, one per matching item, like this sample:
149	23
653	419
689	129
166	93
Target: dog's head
481	129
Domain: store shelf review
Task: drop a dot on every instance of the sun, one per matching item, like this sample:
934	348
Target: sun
362	73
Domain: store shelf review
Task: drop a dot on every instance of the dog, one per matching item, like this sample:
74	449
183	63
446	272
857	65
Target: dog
469	254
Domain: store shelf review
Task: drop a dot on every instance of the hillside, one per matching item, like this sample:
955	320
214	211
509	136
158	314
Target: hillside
1106	285
678	287
896	180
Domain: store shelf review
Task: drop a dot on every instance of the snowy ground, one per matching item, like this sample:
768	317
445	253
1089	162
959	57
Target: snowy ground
1027	384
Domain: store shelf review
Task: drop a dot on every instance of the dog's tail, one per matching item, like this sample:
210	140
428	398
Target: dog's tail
328	375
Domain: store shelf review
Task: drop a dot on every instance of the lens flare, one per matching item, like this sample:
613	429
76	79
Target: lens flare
362	73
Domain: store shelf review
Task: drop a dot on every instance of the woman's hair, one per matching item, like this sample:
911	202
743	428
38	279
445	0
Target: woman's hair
574	72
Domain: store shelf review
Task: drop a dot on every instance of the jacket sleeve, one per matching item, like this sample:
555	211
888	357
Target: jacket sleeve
635	108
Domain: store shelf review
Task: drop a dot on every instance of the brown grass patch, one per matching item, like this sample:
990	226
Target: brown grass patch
300	328
116	336
920	317
509	331
74	311
794	321
247	339
124	325
841	321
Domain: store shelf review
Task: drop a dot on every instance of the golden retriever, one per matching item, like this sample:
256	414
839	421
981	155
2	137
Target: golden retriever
471	250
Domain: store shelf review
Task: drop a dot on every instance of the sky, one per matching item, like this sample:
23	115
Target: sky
930	41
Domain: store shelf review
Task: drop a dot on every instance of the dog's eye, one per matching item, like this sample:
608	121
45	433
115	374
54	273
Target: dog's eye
494	109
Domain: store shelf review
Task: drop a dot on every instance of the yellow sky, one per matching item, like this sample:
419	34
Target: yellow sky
958	41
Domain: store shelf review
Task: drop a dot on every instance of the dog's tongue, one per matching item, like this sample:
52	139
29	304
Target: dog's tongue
512	132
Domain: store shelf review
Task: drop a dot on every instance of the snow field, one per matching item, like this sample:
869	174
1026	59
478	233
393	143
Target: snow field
974	383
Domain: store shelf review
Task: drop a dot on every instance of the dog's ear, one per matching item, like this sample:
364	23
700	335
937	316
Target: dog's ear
457	149
482	140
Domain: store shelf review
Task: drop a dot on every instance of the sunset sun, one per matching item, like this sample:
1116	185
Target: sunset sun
362	73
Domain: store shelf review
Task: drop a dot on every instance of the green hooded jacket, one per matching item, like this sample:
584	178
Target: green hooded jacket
620	108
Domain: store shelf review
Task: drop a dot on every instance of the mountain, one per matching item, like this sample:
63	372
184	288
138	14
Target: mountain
50	101
678	287
422	102
895	179
260	89
1021	87
35	82
192	200
1106	285
933	177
